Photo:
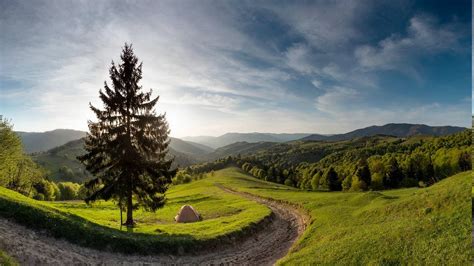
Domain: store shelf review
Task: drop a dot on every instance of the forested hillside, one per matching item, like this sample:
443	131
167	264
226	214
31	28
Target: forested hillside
230	138
18	171
378	162
62	164
43	141
397	130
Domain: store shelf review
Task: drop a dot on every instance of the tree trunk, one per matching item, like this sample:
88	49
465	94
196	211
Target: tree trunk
121	216
129	222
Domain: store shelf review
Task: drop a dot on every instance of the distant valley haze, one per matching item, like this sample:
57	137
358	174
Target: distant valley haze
43	141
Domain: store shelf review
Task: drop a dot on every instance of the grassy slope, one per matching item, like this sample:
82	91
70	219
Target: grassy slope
221	212
416	226
420	226
98	226
6	260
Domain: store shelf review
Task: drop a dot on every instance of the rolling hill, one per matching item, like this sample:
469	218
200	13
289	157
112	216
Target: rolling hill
188	147
377	228
397	130
343	228
242	148
229	138
62	164
43	141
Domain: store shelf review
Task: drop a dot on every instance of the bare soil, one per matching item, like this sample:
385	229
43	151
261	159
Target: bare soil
264	247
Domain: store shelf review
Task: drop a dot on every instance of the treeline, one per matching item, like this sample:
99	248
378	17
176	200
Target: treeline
416	161
184	177
18	172
371	163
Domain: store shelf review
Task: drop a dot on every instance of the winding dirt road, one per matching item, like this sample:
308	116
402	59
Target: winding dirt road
262	248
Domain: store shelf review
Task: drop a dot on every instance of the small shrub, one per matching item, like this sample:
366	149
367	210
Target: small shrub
289	182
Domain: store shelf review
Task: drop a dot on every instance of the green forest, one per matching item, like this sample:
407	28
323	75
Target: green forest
20	173
367	163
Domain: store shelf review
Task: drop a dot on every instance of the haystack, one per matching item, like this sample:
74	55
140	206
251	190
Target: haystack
187	214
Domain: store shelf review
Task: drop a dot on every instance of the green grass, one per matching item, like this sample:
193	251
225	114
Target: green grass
406	226
6	260
222	212
98	226
429	226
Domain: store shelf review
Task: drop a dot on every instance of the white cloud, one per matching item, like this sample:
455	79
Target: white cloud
424	37
317	83
327	25
66	63
211	101
337	99
298	58
61	57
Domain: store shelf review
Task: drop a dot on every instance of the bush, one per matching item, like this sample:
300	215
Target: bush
83	192
182	177
39	196
315	181
347	183
44	188
68	190
377	181
289	182
358	184
409	182
57	192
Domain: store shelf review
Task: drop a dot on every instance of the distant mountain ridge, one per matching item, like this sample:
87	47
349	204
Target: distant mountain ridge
229	138
393	129
43	141
200	146
188	147
65	156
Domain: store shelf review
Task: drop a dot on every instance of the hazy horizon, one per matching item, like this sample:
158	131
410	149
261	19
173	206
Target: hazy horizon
249	132
223	67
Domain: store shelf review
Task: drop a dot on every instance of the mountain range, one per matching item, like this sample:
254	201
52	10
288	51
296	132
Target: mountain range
396	130
62	164
35	142
229	138
198	146
60	152
43	141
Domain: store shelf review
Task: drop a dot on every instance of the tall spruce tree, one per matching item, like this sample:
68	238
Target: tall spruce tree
127	146
333	180
363	172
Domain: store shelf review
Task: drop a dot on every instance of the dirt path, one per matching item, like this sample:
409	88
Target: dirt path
263	248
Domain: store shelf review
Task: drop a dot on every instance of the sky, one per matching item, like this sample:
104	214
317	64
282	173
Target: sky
242	66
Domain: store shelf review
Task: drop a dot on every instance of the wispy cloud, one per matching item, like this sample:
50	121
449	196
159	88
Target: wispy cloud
218	66
400	52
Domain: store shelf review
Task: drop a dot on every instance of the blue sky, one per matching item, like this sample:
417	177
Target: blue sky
242	66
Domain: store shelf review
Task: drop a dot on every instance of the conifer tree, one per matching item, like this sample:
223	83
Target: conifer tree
332	180
394	175
127	146
363	172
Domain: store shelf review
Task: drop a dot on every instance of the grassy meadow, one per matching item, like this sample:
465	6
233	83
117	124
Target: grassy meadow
223	215
6	260
222	212
402	226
